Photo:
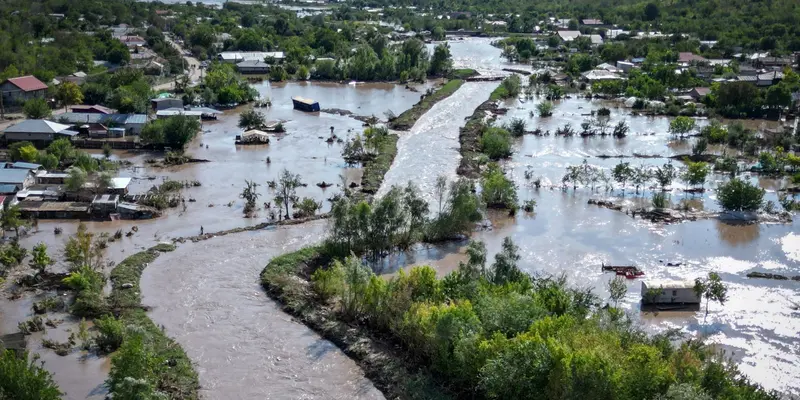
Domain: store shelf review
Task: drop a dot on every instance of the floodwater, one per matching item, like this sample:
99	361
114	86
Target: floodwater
478	54
432	143
758	326
208	298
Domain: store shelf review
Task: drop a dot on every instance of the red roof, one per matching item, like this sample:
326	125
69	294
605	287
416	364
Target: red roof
687	57
28	83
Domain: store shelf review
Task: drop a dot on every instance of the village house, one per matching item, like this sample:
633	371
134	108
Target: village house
235	57
687	58
625	66
253	67
669	292
38	131
569	36
104	125
699	93
592	22
20	179
16	91
599	75
132	41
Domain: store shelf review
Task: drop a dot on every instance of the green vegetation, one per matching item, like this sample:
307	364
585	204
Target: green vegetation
463	73
147	362
385	146
492	331
251	119
738	195
497	190
510	87
496	143
21	379
407	119
223	86
174	132
545	109
36	109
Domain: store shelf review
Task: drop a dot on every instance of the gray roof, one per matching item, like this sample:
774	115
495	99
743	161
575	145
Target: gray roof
93	118
36	126
252	64
13	175
8	188
25	165
747	78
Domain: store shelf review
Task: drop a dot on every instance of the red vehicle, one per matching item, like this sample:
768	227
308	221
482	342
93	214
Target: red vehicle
629	271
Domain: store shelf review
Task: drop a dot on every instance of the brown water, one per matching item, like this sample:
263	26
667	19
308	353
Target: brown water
758	325
432	143
207	296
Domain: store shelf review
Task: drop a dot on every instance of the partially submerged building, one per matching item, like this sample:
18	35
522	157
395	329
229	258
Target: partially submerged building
669	292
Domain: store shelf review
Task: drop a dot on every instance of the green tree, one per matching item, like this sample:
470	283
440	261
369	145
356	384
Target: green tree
11	219
61	148
778	96
24	380
28	153
286	190
250	195
39	258
712	289
695	173
617	289
623	173
497	190
251	119
545	109
441	63
651	12
48	161
496	143
14	150
738	195
76	179
665	174
180	130
68	93
680	126
505	269
36	108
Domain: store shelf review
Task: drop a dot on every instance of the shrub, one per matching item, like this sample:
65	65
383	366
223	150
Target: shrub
111	333
21	379
497	190
545	108
516	127
496	143
738	195
660	200
328	283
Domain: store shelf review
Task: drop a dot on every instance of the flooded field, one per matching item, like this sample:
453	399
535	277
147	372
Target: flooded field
208	297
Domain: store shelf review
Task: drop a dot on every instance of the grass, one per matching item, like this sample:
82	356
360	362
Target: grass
376	169
499	93
463	73
407	119
178	380
286	280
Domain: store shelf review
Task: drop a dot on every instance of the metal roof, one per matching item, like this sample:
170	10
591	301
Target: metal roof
8	188
120	183
37	126
14	176
667	284
28	83
25	165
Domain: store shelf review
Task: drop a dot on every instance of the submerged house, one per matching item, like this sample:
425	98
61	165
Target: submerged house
304	104
669	292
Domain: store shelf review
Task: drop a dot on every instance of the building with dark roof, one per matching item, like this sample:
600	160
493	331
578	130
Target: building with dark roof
16	91
253	67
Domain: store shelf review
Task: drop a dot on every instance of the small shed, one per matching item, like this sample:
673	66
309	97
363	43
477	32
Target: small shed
165	103
119	186
105	203
669	292
304	104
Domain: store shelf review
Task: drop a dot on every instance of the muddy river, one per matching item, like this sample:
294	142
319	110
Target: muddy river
207	294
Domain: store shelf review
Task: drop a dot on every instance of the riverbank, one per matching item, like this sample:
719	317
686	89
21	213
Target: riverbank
176	375
286	279
375	170
469	137
406	120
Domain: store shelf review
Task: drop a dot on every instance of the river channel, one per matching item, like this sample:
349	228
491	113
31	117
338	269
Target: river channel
207	296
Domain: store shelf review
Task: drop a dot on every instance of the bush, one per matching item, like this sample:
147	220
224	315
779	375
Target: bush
516	127
111	333
24	380
545	108
496	143
328	283
497	190
738	195
660	200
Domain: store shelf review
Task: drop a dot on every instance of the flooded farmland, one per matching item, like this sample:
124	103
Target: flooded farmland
207	295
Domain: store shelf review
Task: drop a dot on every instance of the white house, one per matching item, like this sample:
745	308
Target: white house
669	292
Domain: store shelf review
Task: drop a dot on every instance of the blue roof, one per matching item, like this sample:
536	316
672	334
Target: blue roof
25	165
7	188
92	118
13	176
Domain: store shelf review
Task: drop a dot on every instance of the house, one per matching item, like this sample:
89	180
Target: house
166	103
747	70
105	204
669	292
569	36
253	67
51	178
132	123
304	104
699	93
773	62
769	78
592	22
100	125
119	186
38	131
16	91
24	165
596	40
748	78
690	58
89	109
53	209
235	57
599	75
172	112
8	189
132	41
625	66
613	33
19	178
608	67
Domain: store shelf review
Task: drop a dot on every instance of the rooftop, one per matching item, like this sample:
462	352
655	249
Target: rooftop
36	126
120	183
25	165
592	21
27	83
13	176
569	36
667	284
53	206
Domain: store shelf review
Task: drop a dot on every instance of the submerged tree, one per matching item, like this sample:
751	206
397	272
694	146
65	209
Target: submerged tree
11	219
251	119
250	196
712	289
617	289
665	175
286	190
39	258
623	173
738	195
